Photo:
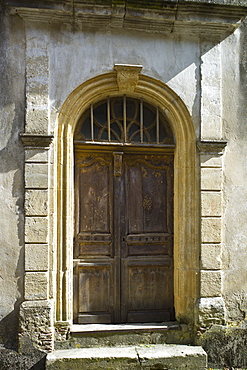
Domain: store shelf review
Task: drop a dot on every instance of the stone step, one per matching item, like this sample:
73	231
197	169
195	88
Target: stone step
152	357
102	335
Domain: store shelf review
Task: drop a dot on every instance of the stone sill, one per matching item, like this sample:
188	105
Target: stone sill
209	19
113	328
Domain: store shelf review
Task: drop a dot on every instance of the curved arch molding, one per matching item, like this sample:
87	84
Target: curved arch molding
186	230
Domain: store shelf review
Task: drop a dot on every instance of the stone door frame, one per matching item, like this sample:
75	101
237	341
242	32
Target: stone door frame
127	79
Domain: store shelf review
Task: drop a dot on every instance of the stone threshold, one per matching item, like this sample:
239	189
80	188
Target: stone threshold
111	335
112	328
131	357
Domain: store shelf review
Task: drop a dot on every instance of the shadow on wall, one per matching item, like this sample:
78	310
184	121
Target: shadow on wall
9	359
12	108
9	328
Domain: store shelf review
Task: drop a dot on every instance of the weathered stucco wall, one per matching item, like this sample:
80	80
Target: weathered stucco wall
77	56
234	115
226	345
12	107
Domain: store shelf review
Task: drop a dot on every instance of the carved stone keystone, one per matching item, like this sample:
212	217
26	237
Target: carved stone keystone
127	76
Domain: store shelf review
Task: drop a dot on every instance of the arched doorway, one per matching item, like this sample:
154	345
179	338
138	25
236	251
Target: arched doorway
123	245
186	224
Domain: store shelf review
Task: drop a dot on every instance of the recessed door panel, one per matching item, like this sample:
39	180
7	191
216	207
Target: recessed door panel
94	188
147	293
95	293
146	194
93	205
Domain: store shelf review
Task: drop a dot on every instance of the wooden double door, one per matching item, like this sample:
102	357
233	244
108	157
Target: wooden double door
123	248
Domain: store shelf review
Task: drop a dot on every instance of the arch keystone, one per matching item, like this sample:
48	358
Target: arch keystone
127	76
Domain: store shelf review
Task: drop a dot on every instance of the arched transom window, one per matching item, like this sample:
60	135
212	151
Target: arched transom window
124	120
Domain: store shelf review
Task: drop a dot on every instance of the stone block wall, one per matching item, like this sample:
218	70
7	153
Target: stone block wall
36	317
211	304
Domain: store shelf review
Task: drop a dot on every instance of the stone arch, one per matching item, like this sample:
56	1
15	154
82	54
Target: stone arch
186	246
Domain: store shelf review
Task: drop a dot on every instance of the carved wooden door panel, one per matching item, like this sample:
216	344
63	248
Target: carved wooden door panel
94	257
147	263
123	252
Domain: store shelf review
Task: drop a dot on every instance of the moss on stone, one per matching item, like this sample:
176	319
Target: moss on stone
226	345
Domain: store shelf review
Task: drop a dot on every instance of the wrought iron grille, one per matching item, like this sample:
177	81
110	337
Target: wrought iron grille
124	120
